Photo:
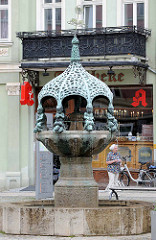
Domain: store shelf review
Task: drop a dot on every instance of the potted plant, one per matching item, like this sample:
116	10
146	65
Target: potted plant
153	224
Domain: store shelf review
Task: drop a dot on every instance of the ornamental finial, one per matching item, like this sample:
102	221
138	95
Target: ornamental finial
76	22
75	54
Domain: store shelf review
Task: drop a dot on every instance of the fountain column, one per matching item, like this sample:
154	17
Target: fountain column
76	186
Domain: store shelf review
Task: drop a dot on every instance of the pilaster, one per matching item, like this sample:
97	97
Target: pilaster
13	161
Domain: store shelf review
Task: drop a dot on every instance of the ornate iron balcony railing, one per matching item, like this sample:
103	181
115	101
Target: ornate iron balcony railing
93	42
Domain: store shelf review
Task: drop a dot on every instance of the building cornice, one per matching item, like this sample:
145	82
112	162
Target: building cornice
53	65
8	67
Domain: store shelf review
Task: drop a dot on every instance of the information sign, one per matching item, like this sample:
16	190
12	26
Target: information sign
44	173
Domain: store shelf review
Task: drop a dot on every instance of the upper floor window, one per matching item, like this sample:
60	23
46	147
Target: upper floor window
92	13
51	1
134	13
4	19
52	15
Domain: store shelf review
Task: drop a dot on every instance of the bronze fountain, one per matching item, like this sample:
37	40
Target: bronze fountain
76	186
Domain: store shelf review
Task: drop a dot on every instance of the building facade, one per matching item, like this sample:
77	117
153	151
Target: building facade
117	45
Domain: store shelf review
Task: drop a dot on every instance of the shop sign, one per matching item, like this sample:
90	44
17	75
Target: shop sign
145	155
140	97
26	94
102	76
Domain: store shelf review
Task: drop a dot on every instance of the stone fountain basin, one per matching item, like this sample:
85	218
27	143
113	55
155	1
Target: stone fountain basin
42	218
75	143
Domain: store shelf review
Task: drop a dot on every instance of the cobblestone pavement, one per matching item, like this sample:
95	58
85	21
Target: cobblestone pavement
16	196
30	237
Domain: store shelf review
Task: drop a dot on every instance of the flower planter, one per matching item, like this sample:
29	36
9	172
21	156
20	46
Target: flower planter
153	225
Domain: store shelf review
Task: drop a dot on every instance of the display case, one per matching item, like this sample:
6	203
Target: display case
138	152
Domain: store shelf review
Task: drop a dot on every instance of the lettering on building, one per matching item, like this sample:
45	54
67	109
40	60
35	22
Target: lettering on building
107	78
102	76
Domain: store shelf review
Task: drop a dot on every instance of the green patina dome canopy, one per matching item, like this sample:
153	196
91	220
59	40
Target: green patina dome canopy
75	80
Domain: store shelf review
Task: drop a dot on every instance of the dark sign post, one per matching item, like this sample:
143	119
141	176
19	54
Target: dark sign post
44	173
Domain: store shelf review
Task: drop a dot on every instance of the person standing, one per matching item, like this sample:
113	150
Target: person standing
114	161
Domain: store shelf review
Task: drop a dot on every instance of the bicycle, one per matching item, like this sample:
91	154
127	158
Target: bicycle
152	171
146	177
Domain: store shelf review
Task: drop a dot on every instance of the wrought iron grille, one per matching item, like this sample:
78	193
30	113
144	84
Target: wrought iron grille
93	42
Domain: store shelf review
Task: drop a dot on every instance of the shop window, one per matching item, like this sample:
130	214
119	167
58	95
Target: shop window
134	111
92	14
133	108
116	92
134	13
125	129
126	151
4	19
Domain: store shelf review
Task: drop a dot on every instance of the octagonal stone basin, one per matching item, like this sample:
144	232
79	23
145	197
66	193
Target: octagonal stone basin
76	186
42	218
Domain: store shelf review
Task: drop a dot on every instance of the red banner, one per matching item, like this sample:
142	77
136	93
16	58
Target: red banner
27	97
